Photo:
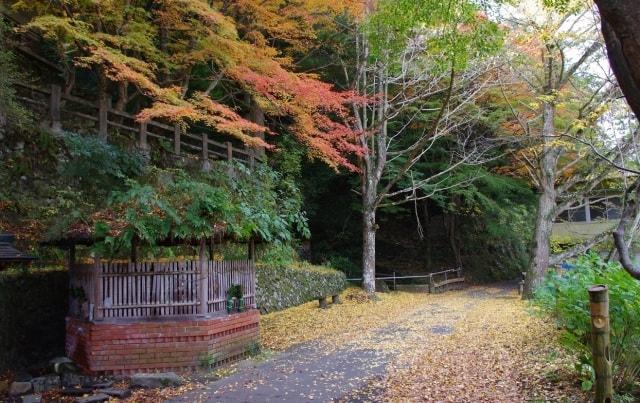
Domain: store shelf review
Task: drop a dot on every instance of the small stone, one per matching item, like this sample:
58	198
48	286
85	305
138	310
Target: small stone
103	385
97	398
73	379
31	399
4	387
20	388
119	393
45	383
76	391
61	365
158	380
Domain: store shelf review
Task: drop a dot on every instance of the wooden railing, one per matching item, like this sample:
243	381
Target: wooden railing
68	112
443	279
152	290
436	280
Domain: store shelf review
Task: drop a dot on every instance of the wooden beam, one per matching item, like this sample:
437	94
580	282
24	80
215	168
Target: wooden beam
177	131
143	144
103	117
54	108
206	165
229	151
97	293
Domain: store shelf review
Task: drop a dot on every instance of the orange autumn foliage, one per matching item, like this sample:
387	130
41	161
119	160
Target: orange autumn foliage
158	51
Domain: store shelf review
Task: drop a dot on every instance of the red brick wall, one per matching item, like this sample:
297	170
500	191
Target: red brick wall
120	348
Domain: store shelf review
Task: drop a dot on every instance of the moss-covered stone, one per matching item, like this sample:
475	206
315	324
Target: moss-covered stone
280	287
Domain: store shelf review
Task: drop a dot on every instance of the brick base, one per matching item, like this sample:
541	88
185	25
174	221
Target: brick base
167	345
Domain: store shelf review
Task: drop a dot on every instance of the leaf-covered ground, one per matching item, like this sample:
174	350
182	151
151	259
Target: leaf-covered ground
473	345
498	352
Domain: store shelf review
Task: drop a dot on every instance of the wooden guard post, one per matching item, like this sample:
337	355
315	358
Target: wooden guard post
322	302
600	342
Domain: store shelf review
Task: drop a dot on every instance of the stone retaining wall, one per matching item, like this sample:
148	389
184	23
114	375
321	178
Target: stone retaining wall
178	345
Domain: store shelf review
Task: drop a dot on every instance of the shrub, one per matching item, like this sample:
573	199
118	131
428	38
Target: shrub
33	305
279	287
565	297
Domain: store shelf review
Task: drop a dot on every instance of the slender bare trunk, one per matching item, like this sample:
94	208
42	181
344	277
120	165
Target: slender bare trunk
368	244
541	250
546	214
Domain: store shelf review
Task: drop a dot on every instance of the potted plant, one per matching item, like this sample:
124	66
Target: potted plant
234	294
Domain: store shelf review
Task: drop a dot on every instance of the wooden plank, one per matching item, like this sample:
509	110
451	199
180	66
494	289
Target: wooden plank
123	127
449	281
229	151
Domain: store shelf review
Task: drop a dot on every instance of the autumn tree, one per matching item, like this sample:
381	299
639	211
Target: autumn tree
419	65
622	37
558	90
198	62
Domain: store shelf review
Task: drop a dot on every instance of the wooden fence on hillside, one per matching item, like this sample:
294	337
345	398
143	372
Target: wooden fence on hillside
153	290
68	112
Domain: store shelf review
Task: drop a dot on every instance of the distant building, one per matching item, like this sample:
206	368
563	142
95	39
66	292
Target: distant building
593	216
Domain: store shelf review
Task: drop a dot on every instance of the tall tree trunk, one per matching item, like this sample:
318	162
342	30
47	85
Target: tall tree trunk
546	214
541	249
622	35
369	249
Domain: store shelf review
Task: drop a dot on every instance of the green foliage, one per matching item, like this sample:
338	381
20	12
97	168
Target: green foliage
495	222
33	305
231	198
97	166
280	287
278	254
454	29
560	244
234	291
565	297
11	112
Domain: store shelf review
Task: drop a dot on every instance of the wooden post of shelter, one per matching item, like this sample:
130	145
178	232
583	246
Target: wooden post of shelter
54	108
251	249
600	342
98	313
204	278
103	116
71	257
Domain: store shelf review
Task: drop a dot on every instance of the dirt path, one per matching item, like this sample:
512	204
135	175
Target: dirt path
414	356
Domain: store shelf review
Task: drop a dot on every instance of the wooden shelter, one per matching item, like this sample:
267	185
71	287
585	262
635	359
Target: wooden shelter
9	255
129	317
